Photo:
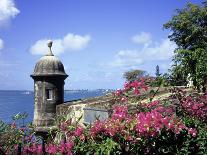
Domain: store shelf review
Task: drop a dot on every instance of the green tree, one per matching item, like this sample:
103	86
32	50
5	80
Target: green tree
134	74
189	32
177	76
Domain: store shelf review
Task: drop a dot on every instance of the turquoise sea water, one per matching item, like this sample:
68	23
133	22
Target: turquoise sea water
14	101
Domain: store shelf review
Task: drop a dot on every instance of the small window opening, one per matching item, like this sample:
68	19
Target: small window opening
49	94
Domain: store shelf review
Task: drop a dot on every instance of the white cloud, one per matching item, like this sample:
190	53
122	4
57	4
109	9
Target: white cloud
162	51
164	66
70	42
131	58
126	58
8	10
142	38
1	44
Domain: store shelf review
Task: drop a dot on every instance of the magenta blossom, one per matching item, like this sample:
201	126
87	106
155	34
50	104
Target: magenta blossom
78	131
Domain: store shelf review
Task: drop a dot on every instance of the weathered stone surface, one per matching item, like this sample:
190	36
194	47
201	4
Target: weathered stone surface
49	76
77	108
92	114
49	65
45	109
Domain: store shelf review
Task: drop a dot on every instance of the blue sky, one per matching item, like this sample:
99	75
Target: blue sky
97	40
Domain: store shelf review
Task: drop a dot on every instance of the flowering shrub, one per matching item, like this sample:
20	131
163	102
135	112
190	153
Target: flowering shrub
196	107
157	127
132	87
12	136
135	131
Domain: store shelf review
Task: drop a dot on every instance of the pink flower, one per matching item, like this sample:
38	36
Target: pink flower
96	128
82	137
192	131
120	112
63	126
165	121
61	147
136	91
123	99
32	148
118	92
195	107
51	148
153	104
78	131
127	86
145	87
170	125
39	149
111	131
69	146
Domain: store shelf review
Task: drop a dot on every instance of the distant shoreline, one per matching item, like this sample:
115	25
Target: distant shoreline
64	90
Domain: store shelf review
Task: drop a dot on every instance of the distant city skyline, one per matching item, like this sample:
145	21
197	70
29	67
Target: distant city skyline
97	41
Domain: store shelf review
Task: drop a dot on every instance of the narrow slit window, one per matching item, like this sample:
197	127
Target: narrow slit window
49	94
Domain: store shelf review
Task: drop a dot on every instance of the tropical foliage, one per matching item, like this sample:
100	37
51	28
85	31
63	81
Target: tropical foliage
189	31
134	75
173	126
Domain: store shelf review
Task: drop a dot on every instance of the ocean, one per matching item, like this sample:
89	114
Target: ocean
13	102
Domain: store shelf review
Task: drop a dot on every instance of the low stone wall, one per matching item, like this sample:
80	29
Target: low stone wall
75	108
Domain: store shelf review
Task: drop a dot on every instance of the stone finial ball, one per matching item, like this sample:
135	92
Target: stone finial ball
49	43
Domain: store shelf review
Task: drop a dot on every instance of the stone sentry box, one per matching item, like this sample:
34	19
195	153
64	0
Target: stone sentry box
48	93
49	76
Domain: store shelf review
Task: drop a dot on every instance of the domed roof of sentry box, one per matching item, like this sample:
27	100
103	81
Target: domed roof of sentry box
49	65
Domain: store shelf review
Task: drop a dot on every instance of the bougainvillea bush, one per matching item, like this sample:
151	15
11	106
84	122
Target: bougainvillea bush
176	125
